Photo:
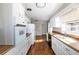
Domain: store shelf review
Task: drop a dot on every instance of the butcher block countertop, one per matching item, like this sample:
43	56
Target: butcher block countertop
69	40
5	48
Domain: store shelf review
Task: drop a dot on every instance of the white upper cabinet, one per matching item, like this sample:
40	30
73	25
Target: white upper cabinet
57	22
19	14
18	10
51	22
50	25
73	15
70	13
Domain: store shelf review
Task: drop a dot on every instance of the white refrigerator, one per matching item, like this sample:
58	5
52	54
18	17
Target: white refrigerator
31	29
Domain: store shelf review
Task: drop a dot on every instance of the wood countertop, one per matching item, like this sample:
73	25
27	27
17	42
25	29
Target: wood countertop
76	36
5	48
68	40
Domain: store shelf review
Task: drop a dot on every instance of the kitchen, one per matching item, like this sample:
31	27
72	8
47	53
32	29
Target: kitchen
24	25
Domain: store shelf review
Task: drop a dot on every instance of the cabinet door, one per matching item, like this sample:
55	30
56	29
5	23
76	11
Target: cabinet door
60	48
28	44
18	13
69	50
23	50
20	35
57	46
54	45
18	10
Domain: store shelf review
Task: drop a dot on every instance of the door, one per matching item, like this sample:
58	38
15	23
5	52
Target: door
38	28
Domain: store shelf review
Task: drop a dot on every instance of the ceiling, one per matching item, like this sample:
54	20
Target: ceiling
42	13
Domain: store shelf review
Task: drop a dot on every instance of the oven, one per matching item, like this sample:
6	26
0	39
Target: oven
20	33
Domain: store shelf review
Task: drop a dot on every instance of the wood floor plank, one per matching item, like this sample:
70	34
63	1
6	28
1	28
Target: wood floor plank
5	48
40	47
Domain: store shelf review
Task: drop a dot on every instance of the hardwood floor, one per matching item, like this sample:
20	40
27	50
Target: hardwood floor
5	48
40	47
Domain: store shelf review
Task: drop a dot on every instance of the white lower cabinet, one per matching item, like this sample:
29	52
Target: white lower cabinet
69	50
61	49
57	47
54	45
22	48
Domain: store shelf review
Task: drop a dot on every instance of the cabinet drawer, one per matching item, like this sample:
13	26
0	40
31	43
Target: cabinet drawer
23	51
70	51
65	49
57	46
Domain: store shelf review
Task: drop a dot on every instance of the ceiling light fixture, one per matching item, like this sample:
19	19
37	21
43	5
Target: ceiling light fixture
29	9
40	5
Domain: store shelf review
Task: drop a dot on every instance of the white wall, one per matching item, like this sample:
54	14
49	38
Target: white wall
44	26
6	29
1	26
40	27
